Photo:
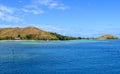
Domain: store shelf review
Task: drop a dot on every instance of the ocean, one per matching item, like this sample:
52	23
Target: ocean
60	57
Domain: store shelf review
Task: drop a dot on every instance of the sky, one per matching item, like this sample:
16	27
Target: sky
80	18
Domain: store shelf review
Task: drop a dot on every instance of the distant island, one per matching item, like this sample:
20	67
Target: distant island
107	36
33	33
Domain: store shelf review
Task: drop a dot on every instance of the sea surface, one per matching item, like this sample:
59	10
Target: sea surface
60	57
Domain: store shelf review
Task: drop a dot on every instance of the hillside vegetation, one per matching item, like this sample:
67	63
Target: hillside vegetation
30	33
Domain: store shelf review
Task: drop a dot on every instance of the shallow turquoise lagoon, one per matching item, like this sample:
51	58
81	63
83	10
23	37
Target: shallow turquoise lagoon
60	57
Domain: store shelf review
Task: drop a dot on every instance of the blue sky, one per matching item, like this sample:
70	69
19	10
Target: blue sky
85	18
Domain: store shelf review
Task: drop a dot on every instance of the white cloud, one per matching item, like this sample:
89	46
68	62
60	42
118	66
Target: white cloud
9	18
51	4
35	7
12	14
45	2
6	14
6	9
33	11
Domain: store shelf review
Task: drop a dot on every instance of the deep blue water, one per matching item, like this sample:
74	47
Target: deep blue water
60	57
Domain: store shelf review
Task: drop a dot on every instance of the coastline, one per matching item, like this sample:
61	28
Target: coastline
57	40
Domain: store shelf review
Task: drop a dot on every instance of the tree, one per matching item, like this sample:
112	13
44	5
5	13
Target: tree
19	36
29	36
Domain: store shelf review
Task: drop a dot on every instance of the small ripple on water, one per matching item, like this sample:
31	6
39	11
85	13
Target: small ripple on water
17	56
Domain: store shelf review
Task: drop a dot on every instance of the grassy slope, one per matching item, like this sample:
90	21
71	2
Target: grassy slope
23	32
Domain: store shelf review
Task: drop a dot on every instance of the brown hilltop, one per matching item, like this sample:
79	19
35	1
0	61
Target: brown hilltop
25	33
107	36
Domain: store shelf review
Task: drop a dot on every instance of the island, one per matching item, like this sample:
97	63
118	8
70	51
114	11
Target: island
33	33
107	36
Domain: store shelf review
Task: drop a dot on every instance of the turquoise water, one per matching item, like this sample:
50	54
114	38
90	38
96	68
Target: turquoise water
60	57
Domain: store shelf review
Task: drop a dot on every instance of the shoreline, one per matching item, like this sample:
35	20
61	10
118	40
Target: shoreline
56	40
